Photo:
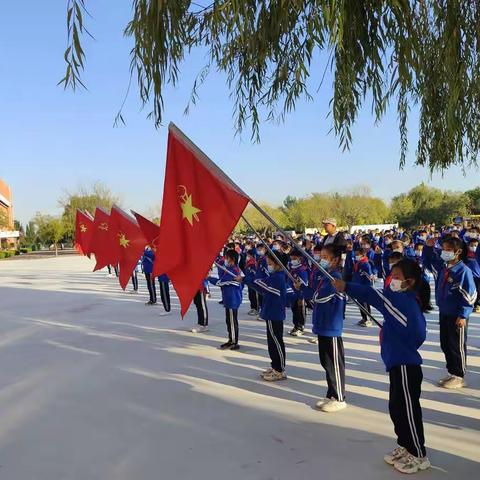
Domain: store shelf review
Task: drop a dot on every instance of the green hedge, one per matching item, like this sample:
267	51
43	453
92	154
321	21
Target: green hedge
25	250
7	253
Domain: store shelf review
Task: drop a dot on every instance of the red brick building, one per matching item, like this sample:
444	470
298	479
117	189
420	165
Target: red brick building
8	237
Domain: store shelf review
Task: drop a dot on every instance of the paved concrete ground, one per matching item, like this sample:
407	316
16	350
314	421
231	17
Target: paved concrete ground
94	385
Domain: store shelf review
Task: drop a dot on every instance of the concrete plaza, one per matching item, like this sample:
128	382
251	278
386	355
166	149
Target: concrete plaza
96	386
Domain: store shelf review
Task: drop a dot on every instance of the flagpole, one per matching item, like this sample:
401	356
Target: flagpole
215	169
285	269
226	270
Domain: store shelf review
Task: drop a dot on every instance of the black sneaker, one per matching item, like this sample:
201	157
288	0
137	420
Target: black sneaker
234	346
221	302
225	346
149	303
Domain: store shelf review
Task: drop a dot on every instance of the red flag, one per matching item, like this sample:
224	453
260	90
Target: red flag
83	232
100	244
130	240
111	249
149	229
201	207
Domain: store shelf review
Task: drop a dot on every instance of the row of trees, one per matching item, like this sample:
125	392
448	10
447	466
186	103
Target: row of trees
422	204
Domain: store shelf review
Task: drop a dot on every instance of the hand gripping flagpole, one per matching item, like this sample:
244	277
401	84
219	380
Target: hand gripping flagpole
284	268
217	171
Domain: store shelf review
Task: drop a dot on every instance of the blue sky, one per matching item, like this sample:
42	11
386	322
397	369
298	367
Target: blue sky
52	140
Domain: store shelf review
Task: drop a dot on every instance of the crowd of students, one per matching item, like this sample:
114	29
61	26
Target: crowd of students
318	273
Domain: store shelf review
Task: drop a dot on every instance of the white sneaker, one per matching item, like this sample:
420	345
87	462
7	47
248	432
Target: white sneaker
252	313
274	376
395	455
411	464
268	371
333	406
444	379
199	329
454	383
321	403
313	340
133	292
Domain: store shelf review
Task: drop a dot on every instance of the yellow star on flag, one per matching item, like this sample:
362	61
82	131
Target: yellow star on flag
124	242
83	228
188	210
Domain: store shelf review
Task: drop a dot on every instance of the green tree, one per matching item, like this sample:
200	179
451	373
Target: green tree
384	52
258	221
424	204
473	200
50	230
85	198
18	226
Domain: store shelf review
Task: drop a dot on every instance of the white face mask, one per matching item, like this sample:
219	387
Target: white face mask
271	269
316	257
418	253
396	285
473	235
295	263
399	250
358	257
388	241
472	249
447	256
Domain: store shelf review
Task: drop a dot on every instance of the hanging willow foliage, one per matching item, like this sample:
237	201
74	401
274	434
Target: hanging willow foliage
404	52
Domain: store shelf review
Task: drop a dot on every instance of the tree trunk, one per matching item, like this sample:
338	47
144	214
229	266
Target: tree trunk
56	250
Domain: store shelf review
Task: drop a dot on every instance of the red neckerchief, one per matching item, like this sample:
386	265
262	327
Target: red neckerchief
252	262
471	254
388	281
358	262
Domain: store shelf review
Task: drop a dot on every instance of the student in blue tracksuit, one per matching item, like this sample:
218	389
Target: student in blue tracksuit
147	266
327	319
296	302
408	248
456	295
472	262
231	296
273	288
404	330
164	283
362	274
261	270
251	267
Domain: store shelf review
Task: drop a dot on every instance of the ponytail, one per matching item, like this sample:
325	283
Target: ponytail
411	270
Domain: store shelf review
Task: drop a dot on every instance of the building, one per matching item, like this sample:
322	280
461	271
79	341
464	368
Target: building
8	236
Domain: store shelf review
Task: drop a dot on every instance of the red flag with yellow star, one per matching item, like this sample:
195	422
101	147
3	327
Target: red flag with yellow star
83	232
130	243
201	207
101	241
149	229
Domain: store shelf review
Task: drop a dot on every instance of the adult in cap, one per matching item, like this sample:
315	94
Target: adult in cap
333	237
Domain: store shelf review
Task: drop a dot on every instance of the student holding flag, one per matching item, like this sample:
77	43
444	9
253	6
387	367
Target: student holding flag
231	296
273	288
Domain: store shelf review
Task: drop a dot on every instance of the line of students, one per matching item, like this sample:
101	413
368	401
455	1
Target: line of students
402	302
